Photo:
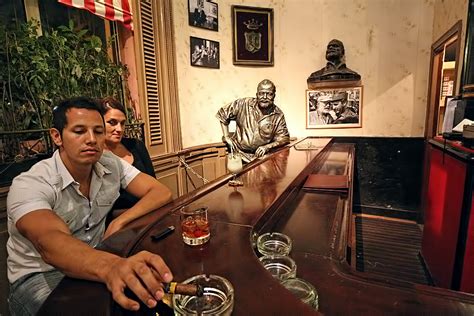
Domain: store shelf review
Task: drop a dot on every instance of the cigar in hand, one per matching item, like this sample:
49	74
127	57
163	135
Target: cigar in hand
183	289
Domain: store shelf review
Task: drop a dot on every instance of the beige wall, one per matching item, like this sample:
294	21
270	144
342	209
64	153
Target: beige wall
446	14
387	42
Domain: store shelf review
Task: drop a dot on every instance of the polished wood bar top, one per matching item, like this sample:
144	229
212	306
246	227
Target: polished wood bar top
272	199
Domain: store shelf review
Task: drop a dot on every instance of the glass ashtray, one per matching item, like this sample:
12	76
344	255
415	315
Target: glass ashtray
303	290
274	244
218	297
281	267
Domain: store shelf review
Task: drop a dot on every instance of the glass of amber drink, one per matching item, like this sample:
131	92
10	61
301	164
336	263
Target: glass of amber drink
195	226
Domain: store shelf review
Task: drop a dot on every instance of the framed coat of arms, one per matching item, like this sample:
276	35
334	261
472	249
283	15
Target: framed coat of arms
252	36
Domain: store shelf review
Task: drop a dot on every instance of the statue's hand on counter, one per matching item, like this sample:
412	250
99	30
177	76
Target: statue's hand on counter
262	150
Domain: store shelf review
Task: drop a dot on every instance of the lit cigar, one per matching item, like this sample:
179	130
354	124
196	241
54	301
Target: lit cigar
183	289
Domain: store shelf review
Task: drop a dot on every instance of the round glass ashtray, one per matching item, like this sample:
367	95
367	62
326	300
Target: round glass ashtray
274	244
281	267
217	298
303	290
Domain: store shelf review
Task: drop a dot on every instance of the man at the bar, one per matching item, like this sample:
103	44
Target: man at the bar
57	212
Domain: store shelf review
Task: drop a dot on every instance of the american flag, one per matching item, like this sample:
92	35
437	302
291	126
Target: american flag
114	10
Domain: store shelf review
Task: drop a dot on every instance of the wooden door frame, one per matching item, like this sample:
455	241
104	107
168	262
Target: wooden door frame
432	104
437	48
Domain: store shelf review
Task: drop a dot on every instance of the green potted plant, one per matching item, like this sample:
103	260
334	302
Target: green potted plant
37	72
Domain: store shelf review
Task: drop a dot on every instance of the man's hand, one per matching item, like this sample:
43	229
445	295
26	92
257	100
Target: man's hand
262	150
143	274
333	114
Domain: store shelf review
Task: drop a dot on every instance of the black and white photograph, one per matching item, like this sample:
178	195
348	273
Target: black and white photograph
203	14
204	53
334	107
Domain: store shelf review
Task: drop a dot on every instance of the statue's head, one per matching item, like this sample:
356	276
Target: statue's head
335	50
266	92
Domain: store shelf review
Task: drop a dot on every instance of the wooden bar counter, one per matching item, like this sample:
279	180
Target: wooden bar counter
272	199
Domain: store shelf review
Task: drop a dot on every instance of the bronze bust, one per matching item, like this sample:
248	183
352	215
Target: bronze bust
336	68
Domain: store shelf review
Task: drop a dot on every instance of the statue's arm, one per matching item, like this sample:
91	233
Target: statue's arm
226	136
226	114
281	141
282	136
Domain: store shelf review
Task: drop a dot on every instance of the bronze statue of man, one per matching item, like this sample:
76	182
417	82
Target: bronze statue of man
336	68
260	124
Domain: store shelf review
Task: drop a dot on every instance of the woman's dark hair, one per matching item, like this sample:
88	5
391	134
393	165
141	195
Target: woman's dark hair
111	103
59	111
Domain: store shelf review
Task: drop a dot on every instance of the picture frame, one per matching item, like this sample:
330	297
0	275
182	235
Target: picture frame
204	52
203	14
334	107
252	33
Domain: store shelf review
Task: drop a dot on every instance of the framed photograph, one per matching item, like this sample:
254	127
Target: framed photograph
252	36
203	52
334	107
203	14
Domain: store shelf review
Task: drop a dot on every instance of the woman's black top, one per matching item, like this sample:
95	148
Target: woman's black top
141	161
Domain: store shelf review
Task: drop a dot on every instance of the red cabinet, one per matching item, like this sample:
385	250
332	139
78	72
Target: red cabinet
467	276
448	234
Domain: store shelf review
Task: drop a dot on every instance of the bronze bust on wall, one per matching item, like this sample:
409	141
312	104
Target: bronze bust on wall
335	69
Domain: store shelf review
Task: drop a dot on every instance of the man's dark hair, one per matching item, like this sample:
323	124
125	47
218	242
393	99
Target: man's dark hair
111	103
59	111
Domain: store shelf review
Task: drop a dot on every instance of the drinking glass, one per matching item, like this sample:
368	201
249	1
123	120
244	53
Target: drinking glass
218	297
195	226
234	165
